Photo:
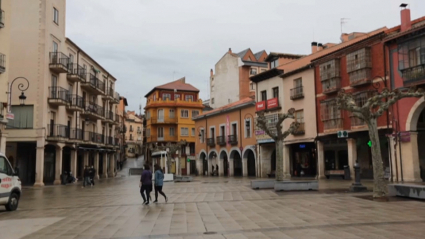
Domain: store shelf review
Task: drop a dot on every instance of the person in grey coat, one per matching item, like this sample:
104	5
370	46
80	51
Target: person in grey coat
159	182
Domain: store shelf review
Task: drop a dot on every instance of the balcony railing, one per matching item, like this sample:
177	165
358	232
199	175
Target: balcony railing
94	108
412	74
75	70
116	141
163	120
331	85
2	17
94	137
297	93
58	131
76	101
59	62
110	140
117	118
109	115
211	142
300	130
221	140
360	77
95	83
336	123
59	93
76	134
233	139
2	63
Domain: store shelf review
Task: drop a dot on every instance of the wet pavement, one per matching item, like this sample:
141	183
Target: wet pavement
208	207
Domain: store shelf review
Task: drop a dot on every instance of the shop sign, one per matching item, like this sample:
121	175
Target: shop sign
405	136
259	132
272	103
190	157
261	105
302	146
10	116
264	141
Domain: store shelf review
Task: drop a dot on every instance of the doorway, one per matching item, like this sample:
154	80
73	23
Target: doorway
237	164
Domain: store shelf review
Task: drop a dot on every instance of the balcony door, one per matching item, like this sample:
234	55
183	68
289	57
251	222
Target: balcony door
53	90
160	134
161	115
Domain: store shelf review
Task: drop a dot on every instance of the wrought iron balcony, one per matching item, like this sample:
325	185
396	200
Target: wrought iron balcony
2	17
93	110
331	86
2	63
76	73
211	142
297	93
57	132
233	139
115	99
76	134
93	85
76	103
59	96
110	140
58	62
300	130
221	140
165	120
414	75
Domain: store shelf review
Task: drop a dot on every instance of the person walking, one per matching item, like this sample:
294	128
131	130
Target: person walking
86	175
92	174
159	182
146	184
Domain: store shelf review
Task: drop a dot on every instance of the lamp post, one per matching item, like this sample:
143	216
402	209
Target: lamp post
21	87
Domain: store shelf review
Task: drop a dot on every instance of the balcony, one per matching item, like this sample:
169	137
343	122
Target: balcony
221	140
333	124
165	138
58	96
115	99
331	86
93	138
110	140
211	142
76	73
2	63
57	132
76	135
163	121
109	117
297	93
233	139
93	85
93	111
58	62
2	17
76	103
174	103
414	75
109	94
360	77
300	130
116	120
117	142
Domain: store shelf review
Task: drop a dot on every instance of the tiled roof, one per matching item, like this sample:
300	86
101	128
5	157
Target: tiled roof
394	32
242	53
228	107
175	85
285	55
258	54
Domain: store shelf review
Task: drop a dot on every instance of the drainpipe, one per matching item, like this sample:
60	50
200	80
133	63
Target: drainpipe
208	152
388	116
399	148
240	129
76	98
317	125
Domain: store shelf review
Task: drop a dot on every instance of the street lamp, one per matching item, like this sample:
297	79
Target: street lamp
21	87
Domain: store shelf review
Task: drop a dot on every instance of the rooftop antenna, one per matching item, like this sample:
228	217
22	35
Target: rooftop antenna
343	21
140	107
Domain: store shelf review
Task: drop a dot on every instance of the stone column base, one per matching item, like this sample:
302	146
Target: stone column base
57	182
39	184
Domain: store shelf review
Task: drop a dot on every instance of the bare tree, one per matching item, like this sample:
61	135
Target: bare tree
276	133
369	112
172	149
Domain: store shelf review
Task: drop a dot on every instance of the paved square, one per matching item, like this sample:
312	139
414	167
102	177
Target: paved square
207	208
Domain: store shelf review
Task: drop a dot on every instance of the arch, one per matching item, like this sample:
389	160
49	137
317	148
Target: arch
224	162
203	152
251	148
211	154
236	158
233	150
249	161
413	116
203	162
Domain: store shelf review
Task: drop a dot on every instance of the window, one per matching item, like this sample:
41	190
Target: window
148	132
55	16
192	149
195	113
71	58
299	117
5	167
330	114
184	113
131	128
212	101
234	129
253	71
184	131
160	132
131	137
55	47
212	88
193	131
274	63
202	139
176	96
222	130
189	97
172	131
251	86
24	115
161	115
166	96
247	128
276	92
148	115
298	82
263	95
360	99
172	114
359	64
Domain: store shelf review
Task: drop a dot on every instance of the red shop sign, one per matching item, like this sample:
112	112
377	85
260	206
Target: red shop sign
272	103
261	105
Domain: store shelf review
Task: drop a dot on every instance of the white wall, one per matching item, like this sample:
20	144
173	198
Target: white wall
225	85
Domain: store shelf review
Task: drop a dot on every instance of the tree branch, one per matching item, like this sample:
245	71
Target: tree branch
294	126
262	124
394	96
346	101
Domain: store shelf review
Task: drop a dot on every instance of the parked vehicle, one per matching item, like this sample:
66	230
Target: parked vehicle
10	185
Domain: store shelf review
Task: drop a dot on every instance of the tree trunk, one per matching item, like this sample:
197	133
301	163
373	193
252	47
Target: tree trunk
279	160
169	163
380	184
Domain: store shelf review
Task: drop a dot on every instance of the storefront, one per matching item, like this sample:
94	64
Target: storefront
303	160
267	157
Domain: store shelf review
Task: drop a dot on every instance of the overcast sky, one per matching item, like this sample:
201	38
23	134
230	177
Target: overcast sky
145	43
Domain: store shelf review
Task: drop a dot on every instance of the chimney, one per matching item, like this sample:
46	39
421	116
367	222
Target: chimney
319	47
406	23
182	80
313	47
230	50
211	72
344	37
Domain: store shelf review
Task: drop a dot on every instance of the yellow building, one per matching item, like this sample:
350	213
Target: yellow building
169	112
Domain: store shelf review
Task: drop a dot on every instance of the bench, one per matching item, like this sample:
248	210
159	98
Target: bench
263	184
407	190
295	185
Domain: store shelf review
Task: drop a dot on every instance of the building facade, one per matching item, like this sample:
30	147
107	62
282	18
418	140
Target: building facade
232	74
5	11
133	135
225	139
69	119
169	111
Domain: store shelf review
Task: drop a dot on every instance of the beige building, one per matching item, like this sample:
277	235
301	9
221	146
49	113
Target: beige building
69	118
4	68
134	134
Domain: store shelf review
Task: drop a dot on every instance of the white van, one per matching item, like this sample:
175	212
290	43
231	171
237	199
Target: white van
10	185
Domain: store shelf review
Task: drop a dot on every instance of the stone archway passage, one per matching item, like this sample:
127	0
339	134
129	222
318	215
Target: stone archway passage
204	164
251	164
237	164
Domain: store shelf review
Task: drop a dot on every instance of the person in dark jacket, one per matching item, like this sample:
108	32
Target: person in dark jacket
146	184
86	176
92	174
159	182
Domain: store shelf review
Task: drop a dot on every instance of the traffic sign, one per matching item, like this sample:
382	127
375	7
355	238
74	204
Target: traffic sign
188	160
370	144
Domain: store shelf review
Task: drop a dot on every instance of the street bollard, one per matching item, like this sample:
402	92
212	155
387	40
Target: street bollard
357	185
